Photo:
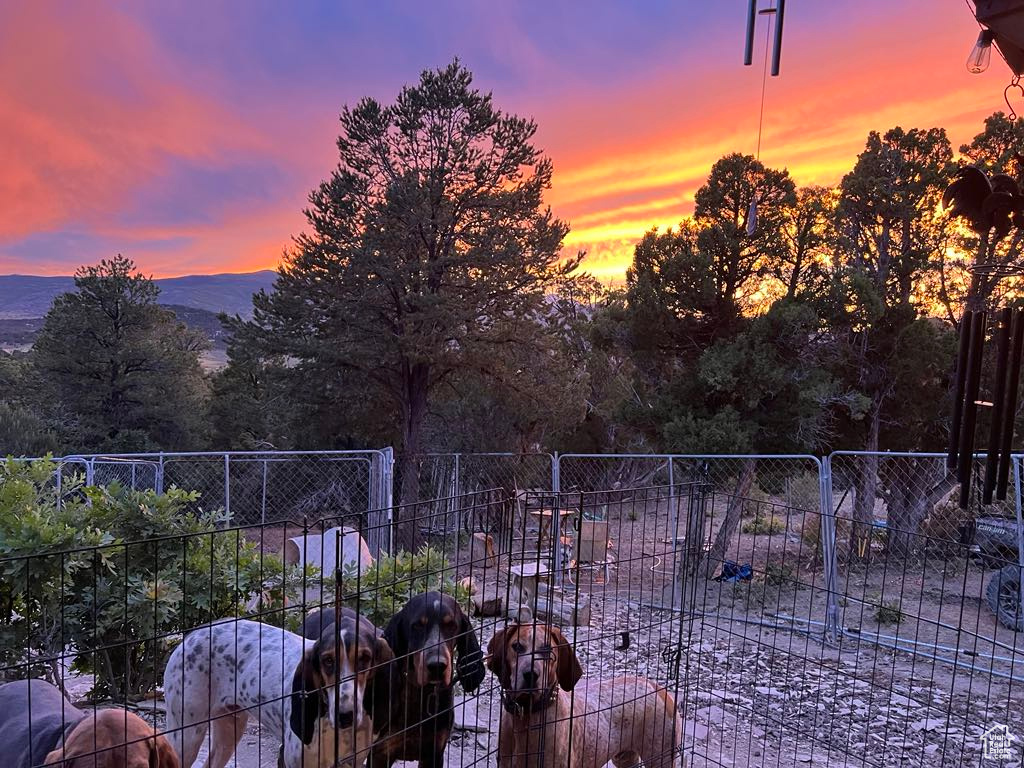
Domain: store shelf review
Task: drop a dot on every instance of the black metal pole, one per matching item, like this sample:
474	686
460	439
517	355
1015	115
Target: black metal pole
998	397
1010	411
965	465
780	11
958	396
748	50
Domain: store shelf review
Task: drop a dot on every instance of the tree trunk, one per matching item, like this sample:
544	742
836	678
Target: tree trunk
729	526
915	495
866	491
414	410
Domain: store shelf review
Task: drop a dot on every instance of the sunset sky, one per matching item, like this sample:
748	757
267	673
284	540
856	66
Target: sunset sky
187	135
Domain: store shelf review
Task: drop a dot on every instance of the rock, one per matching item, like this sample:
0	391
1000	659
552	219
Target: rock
564	613
694	731
466	719
488	600
928	724
481	551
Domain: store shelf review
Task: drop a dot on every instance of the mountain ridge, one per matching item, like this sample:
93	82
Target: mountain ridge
25	297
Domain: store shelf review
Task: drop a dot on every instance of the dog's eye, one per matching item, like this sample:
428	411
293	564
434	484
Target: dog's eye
448	620
364	660
328	664
518	647
544	650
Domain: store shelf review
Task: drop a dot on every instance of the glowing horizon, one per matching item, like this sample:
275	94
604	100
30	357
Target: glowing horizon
188	138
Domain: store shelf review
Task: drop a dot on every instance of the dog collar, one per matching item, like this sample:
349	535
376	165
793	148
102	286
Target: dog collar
513	707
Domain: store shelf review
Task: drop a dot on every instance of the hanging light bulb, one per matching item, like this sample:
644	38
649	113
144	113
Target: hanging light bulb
752	217
981	53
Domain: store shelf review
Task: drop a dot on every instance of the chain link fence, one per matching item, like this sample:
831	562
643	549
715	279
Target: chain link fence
919	572
255	487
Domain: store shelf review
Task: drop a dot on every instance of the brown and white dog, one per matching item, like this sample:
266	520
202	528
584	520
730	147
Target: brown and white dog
38	727
624	720
310	691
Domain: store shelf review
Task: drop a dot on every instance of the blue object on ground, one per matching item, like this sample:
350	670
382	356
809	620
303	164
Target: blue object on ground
735	572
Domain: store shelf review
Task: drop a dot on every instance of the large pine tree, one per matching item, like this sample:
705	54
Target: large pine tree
428	253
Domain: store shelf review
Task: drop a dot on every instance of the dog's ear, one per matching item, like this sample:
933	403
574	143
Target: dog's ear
55	759
496	661
567	666
307	696
395	636
470	663
161	753
382	652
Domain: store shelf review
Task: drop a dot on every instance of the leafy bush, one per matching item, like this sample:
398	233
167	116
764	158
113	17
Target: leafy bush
381	591
767	525
889	613
110	576
777	574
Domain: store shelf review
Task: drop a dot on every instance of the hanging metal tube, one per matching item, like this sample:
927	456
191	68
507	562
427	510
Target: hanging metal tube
1010	410
958	396
748	50
970	407
998	398
780	11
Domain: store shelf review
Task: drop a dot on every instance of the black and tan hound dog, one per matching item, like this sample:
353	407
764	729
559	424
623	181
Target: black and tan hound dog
411	702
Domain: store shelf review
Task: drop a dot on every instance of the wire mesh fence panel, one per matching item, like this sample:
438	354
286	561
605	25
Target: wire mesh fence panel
924	598
446	476
202	474
138	474
511	472
915	564
611	472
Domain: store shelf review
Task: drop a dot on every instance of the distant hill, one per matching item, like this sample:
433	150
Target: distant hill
24	297
18	334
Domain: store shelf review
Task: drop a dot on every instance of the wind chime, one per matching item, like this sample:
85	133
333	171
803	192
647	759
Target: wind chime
776	11
1009	336
991	206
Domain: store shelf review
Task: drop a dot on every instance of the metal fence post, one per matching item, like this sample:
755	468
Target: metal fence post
227	484
673	508
1020	528
828	550
556	473
263	499
160	475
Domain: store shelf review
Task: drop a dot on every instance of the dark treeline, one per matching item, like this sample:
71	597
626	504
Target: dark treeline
429	306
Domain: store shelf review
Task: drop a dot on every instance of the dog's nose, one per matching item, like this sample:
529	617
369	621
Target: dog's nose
345	719
530	677
436	669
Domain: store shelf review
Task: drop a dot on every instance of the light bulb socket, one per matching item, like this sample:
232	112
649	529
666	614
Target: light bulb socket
986	37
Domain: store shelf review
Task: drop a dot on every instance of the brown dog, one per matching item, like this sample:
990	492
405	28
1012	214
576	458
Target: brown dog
623	719
35	719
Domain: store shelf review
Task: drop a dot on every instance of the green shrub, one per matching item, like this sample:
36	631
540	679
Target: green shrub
776	574
889	613
381	591
768	525
114	574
